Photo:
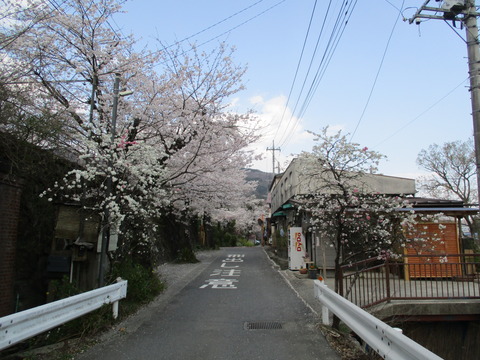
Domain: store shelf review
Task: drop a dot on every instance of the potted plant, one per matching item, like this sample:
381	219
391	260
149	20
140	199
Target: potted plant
312	272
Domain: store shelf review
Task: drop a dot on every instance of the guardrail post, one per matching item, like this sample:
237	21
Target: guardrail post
317	288
115	303
115	309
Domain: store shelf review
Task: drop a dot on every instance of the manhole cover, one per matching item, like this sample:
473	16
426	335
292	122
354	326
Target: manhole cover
263	325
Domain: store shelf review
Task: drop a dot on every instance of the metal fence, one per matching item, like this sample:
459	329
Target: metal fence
411	277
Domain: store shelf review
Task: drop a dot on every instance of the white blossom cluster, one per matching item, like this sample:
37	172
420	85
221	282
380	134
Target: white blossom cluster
357	222
172	146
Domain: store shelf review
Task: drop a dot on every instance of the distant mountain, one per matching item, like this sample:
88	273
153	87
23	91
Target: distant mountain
263	179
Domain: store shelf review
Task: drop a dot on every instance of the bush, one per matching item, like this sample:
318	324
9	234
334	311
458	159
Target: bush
244	242
143	287
225	235
186	256
61	289
143	284
89	324
229	239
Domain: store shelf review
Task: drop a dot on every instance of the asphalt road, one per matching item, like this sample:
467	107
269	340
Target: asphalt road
236	307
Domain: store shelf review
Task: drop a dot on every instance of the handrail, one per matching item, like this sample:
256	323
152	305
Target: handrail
388	342
26	324
425	276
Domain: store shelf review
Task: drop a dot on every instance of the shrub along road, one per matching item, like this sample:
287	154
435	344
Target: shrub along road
232	306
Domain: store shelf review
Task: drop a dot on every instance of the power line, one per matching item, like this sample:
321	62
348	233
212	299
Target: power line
239	25
214	38
298	66
217	23
378	73
422	113
343	16
400	10
335	40
306	75
308	71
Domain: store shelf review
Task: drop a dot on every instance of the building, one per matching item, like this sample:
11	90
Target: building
287	187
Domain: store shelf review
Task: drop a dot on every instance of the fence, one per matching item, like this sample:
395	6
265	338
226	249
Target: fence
412	277
388	342
26	324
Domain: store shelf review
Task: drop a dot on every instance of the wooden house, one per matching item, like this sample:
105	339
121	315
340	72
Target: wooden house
432	246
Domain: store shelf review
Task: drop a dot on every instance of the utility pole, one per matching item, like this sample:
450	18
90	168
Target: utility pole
106	226
273	149
465	13
106	220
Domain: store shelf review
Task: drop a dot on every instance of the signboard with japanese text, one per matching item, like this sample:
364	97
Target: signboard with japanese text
296	248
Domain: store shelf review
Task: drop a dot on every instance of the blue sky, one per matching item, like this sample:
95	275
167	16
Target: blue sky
416	75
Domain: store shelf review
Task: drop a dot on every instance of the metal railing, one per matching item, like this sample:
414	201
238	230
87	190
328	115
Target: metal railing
388	342
26	324
411	277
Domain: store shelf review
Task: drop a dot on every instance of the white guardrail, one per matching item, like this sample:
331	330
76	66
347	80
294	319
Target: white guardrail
26	324
388	342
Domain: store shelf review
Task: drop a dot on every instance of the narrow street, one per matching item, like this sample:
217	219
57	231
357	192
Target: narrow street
238	307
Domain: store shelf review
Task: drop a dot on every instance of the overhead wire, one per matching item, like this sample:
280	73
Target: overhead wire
341	22
243	23
298	66
396	21
377	74
328	56
116	31
335	37
163	48
217	23
422	113
307	73
395	7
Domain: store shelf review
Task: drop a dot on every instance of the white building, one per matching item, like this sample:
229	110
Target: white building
287	186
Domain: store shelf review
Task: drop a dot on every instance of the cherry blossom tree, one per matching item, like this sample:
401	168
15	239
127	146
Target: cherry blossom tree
347	213
171	146
355	220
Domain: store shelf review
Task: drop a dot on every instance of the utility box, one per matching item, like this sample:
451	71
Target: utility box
296	248
454	5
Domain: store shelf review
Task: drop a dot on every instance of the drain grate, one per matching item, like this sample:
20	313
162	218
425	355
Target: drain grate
263	325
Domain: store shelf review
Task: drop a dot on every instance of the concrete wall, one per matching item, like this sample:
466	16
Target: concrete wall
449	328
294	183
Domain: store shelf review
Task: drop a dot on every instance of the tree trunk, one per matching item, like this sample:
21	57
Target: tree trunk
338	287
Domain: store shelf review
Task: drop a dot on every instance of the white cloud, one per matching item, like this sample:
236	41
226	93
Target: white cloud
280	129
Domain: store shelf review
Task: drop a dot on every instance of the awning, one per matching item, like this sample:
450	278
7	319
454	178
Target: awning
279	213
287	206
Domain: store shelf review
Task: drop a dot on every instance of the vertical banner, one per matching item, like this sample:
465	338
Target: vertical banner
296	248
